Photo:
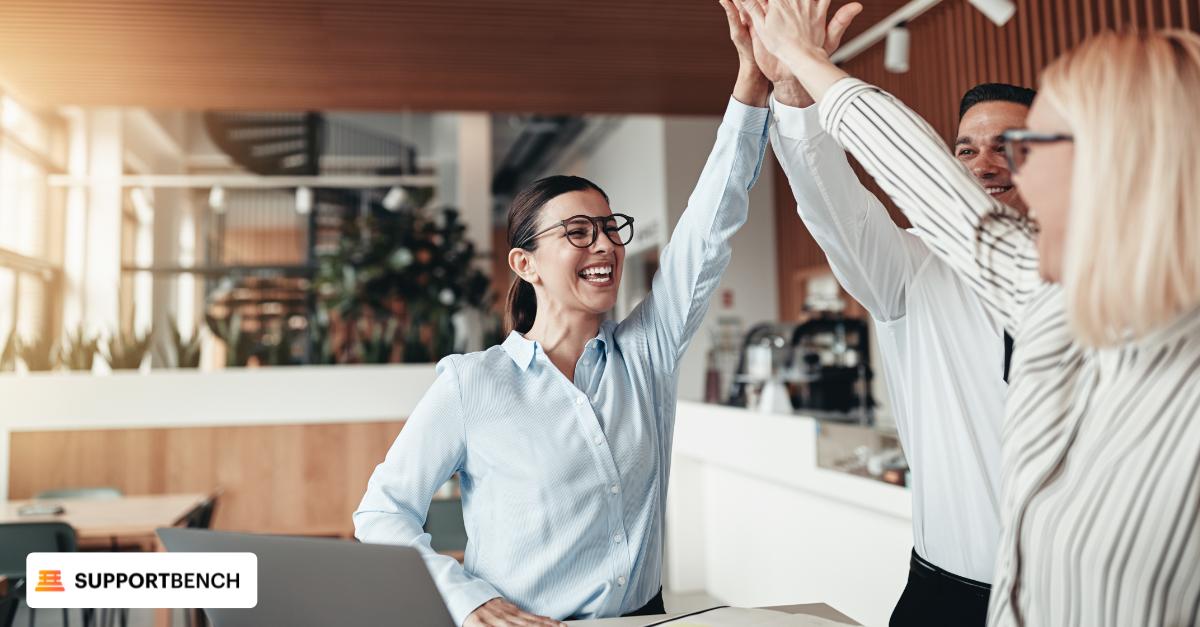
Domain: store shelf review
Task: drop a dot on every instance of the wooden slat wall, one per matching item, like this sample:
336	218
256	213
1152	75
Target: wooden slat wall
954	48
291	479
618	56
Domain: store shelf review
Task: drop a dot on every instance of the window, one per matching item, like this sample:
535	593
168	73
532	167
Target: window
28	273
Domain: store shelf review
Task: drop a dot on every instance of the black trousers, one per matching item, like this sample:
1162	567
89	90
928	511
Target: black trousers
651	608
936	598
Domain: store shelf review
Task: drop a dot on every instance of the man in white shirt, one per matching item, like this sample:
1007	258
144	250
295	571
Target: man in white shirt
944	357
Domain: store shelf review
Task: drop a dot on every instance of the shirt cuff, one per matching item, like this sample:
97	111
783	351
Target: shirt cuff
744	118
801	123
837	100
467	598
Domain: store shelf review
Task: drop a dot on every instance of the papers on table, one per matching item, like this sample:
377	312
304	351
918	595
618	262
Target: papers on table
745	617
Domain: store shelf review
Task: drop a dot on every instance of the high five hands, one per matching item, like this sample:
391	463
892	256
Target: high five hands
790	42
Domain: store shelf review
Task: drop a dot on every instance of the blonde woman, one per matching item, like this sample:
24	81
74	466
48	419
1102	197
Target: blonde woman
1101	289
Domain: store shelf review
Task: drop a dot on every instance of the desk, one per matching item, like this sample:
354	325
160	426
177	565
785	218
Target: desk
818	610
127	520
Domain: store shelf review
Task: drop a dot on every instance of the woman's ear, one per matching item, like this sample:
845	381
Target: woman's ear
521	262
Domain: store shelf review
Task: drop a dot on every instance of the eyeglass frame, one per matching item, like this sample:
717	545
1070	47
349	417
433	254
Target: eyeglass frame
1014	136
596	228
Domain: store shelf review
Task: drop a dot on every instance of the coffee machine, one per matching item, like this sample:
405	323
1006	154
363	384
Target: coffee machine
829	362
760	381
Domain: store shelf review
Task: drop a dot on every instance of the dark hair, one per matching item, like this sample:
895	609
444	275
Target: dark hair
523	222
991	92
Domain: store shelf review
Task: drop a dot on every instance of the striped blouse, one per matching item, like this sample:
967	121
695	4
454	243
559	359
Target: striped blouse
1100	483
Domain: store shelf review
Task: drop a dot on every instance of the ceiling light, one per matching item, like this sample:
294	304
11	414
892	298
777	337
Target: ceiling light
304	200
395	198
998	11
895	52
216	199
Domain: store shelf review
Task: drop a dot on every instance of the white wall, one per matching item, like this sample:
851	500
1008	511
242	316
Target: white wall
629	164
751	276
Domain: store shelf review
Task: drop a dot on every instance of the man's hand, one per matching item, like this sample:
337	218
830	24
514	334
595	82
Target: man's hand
752	87
788	90
798	33
500	613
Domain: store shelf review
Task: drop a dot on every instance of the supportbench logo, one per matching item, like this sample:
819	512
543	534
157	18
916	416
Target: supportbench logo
96	580
49	581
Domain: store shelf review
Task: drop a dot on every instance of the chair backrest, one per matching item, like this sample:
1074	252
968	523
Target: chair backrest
103	492
8	601
201	517
18	540
444	523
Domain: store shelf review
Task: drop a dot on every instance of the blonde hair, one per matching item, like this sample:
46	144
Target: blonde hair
1131	262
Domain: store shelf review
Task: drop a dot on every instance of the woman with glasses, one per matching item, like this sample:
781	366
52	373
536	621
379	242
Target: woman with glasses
561	436
1100	503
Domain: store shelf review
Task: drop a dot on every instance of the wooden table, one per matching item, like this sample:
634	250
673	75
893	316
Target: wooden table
816	610
126	521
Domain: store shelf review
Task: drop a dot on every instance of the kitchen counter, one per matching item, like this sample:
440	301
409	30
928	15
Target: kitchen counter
754	520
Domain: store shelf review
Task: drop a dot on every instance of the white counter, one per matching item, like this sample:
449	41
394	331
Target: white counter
753	521
191	398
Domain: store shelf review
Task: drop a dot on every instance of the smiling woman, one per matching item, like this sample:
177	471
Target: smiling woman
561	436
569	211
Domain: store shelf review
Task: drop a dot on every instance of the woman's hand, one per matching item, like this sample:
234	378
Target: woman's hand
500	613
752	87
798	33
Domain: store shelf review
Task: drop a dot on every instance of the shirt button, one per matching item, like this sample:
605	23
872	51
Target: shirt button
598	440
618	537
578	400
614	489
620	581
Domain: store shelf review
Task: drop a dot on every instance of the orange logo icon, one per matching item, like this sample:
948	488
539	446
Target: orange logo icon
49	581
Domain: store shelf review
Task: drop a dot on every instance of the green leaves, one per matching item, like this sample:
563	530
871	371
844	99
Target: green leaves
404	273
79	349
38	354
126	350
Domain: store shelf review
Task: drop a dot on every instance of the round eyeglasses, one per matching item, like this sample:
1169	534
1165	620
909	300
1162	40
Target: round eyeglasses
1017	141
581	231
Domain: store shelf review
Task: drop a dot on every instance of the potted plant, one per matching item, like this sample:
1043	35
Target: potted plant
38	355
125	351
78	351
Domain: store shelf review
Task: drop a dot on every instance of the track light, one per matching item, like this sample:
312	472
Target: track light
216	199
895	52
394	198
304	200
998	11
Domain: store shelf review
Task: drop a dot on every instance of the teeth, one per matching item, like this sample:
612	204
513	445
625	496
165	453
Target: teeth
597	270
996	190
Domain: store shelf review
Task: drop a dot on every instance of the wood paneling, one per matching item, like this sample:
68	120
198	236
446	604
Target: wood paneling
624	56
954	48
303	479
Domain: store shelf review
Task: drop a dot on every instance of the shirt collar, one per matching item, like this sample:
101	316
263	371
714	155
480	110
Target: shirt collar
520	349
523	351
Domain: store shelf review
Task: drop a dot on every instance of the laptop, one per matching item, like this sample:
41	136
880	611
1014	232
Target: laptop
308	581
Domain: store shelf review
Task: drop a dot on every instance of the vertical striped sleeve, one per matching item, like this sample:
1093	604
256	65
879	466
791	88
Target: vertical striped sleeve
989	244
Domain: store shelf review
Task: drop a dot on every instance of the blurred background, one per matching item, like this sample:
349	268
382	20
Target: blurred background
236	235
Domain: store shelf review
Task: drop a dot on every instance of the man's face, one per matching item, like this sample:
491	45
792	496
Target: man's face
979	147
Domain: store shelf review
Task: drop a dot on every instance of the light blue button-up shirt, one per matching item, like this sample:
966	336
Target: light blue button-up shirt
564	483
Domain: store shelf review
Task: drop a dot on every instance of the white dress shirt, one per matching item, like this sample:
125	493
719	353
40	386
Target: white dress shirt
942	352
